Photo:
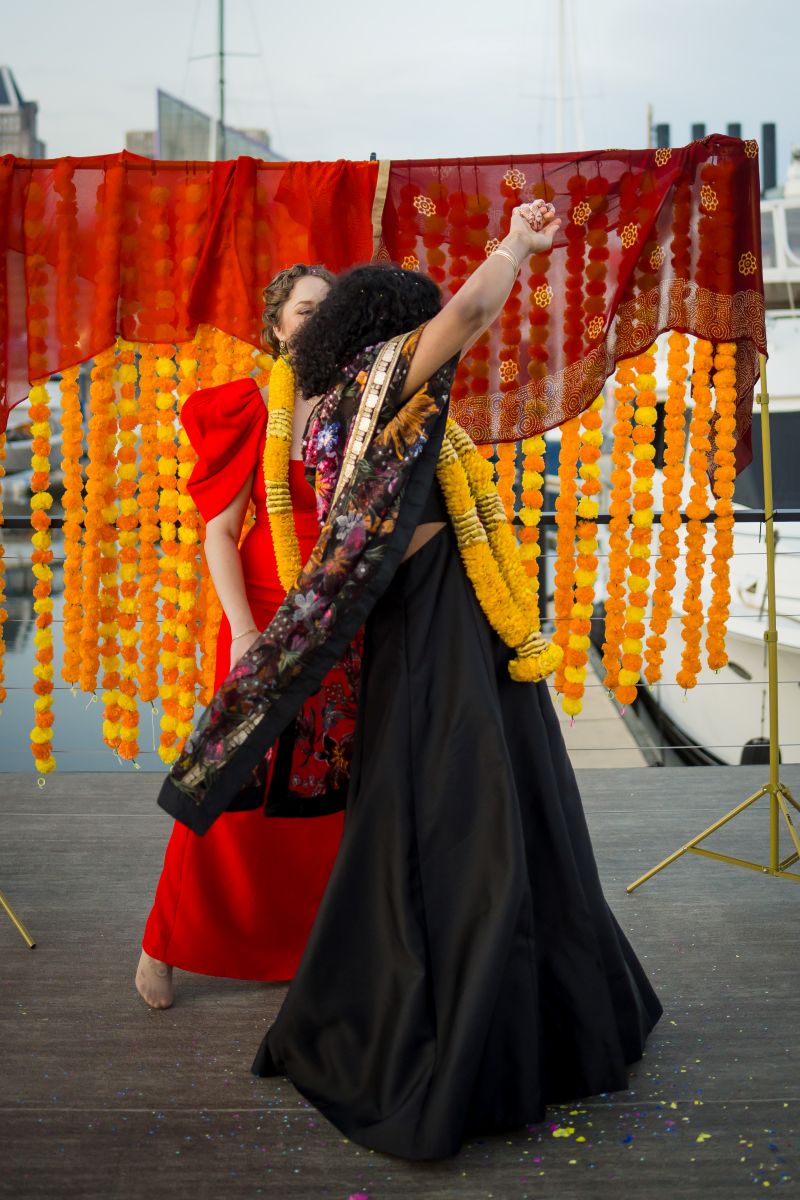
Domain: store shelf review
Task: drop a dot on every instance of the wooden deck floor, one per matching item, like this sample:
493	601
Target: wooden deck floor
99	1097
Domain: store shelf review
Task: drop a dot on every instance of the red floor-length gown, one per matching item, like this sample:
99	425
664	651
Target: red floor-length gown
240	901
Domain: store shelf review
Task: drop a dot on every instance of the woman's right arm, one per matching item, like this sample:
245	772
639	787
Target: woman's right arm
479	302
225	567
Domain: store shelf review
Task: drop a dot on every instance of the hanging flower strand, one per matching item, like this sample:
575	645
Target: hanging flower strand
41	558
696	512
530	514
566	510
619	524
577	653
723	484
669	537
644	418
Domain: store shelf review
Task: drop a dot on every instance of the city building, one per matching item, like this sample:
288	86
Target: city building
185	133
17	120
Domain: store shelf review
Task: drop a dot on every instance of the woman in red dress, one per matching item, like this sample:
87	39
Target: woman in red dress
240	901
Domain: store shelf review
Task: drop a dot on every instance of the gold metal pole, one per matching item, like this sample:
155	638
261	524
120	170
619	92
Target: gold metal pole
780	798
16	921
771	635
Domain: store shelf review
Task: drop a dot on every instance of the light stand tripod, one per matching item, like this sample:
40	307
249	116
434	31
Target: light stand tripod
781	801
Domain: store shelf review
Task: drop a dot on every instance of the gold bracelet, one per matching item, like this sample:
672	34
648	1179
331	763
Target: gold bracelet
506	253
244	633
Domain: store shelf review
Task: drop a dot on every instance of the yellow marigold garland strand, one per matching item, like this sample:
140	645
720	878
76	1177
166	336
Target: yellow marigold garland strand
696	511
168	514
73	505
669	535
566	514
128	535
188	568
491	557
644	417
277	449
148	525
109	578
577	652
723	484
530	513
100	438
619	523
41	558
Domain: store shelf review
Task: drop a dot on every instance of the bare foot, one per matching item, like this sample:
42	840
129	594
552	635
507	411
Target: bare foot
154	982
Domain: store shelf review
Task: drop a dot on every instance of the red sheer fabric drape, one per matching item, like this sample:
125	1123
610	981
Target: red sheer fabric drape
650	240
150	250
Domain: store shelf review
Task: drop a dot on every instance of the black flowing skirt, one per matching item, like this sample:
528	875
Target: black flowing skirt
464	969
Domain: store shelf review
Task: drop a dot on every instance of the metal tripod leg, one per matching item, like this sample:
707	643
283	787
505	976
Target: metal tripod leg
16	921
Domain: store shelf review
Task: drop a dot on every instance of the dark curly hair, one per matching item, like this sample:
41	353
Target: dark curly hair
275	295
364	307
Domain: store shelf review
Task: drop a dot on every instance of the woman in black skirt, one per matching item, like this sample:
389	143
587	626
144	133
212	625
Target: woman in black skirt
464	969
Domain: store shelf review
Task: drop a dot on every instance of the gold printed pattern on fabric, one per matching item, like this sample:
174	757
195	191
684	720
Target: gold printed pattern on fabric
563	394
369	408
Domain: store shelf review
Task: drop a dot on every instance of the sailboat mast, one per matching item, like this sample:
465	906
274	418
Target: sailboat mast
221	81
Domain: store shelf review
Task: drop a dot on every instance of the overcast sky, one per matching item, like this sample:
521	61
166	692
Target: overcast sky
425	78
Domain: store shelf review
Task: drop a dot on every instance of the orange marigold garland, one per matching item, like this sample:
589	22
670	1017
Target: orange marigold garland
723	484
577	652
566	513
148	525
188	568
506	475
168	515
669	535
530	513
644	417
109	579
619	524
41	558
696	511
72	503
128	535
101	440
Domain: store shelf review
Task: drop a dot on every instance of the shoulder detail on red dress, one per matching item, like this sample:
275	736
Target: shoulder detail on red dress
225	425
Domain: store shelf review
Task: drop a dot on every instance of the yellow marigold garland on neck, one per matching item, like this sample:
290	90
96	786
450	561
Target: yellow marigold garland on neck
277	450
491	556
723	484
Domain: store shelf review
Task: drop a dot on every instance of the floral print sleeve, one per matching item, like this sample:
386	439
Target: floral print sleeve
371	488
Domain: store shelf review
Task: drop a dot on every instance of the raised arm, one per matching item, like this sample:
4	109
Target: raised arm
478	303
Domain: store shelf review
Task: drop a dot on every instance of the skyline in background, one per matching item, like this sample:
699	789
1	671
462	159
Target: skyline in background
424	80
